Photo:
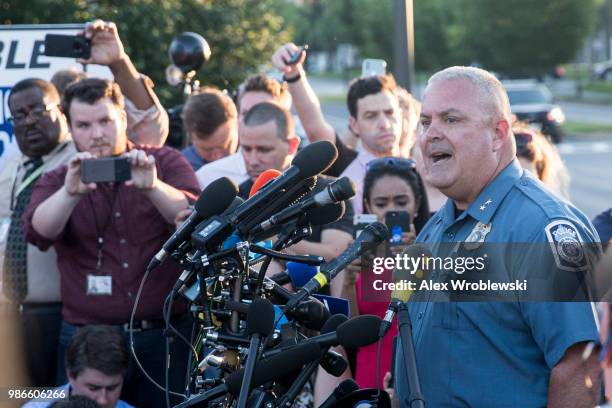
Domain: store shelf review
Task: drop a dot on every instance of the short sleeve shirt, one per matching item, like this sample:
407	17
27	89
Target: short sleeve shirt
498	354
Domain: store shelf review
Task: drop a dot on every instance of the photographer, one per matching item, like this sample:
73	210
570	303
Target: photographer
105	233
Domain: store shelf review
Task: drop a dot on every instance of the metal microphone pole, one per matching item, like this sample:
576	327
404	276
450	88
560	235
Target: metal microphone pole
404	327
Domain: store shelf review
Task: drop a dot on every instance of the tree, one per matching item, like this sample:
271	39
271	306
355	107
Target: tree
523	37
242	34
527	37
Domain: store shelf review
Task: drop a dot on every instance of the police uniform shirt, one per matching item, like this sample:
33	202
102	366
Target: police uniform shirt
498	354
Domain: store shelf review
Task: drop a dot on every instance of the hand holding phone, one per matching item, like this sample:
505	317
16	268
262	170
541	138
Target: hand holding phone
106	46
296	56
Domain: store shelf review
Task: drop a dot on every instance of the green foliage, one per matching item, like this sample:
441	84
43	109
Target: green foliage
525	37
368	24
242	34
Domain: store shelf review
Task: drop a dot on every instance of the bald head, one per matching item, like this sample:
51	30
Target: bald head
493	97
464	133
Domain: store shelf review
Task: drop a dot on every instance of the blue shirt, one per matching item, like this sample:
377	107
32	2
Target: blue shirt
192	156
500	354
67	389
603	225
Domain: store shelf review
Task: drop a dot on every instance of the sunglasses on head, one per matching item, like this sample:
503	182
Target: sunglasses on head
391	162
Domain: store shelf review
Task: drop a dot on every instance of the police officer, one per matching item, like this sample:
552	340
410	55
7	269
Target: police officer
496	354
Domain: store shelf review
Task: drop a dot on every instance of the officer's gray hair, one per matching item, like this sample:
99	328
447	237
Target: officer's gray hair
493	94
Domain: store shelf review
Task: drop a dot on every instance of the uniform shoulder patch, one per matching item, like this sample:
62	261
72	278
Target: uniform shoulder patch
567	246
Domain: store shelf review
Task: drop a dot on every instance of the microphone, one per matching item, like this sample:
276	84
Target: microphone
372	235
260	323
295	230
343	389
215	198
323	215
298	383
310	161
337	191
312	314
417	251
276	367
356	332
262	180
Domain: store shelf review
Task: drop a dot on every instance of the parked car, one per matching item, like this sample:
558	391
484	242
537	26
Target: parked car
603	70
532	102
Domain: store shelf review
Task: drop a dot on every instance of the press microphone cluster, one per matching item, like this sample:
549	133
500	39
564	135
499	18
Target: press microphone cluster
252	322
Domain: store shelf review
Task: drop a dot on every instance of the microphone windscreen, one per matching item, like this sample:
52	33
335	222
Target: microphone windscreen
235	204
276	367
216	197
324	215
343	189
346	387
260	319
315	158
300	273
359	331
375	231
263	179
333	322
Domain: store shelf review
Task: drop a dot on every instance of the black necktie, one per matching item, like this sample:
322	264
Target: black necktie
15	280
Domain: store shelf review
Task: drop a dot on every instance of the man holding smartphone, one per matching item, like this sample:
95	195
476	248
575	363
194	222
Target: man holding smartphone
106	232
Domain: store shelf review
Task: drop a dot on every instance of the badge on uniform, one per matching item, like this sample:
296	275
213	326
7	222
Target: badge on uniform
567	246
477	237
99	285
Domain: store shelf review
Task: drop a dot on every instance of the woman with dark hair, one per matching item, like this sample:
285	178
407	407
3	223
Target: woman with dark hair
390	184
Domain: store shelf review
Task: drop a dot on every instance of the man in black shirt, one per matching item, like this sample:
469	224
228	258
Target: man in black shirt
268	141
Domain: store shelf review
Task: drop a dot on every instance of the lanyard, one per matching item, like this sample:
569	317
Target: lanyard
101	231
31	178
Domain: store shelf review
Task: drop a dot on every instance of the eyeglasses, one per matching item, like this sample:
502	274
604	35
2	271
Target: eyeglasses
37	113
398	163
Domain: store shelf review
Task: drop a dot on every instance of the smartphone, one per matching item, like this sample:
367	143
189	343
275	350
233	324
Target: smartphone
67	46
106	169
373	67
295	57
398	222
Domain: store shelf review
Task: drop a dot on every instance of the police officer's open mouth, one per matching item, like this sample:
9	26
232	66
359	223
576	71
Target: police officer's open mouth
437	157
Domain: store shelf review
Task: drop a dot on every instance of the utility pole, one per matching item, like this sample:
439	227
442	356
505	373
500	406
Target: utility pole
403	44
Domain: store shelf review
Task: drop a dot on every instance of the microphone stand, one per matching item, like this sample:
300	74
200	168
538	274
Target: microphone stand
296	387
415	398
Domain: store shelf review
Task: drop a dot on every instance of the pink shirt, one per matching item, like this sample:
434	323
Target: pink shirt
356	171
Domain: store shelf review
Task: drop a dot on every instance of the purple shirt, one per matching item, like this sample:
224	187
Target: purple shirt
135	231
